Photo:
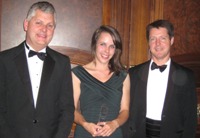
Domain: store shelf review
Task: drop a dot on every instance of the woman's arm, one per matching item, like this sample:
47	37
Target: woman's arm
124	109
78	118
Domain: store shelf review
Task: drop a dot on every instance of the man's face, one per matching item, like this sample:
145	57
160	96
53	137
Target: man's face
39	30
160	44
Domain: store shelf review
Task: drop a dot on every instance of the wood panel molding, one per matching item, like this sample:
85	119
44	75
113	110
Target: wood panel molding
77	56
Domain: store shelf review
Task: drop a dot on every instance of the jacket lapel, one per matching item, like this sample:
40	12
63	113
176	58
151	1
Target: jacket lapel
140	90
170	88
46	75
22	67
143	87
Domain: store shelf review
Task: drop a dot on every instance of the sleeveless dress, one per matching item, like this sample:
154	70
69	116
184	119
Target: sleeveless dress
99	100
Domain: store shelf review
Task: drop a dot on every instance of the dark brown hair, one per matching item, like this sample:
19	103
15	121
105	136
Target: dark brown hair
160	23
114	63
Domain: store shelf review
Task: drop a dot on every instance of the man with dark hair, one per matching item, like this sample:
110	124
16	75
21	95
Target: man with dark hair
163	96
36	94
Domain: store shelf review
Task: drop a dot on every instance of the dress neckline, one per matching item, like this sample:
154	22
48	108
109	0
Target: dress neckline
97	78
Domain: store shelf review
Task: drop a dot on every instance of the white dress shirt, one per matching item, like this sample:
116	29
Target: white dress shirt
35	66
156	91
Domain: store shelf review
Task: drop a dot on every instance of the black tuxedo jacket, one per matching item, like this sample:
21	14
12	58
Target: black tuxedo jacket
179	115
54	113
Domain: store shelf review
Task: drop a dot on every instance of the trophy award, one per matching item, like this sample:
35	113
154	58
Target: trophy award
103	114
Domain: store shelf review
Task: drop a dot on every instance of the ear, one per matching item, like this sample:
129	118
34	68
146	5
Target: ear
172	41
25	24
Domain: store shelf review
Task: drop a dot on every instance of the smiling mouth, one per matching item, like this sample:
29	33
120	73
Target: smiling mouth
105	56
42	36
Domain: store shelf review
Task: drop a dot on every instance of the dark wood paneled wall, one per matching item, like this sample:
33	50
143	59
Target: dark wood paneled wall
117	14
185	15
140	16
130	18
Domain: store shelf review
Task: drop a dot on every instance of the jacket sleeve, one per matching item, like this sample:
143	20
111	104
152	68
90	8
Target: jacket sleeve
4	129
66	104
190	115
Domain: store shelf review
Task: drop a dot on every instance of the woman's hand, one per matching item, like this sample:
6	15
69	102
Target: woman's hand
107	128
92	128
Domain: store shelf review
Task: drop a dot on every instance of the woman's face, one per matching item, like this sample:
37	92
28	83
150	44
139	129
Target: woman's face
105	48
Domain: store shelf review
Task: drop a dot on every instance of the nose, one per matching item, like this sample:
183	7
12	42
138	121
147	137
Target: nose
107	49
157	41
44	28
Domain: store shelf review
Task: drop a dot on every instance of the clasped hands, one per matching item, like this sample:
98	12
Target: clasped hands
103	129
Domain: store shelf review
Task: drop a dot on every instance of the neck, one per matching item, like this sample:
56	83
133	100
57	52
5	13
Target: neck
160	61
100	66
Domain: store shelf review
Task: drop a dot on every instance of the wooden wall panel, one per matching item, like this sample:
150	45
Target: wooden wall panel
185	15
156	9
130	17
117	14
76	22
140	17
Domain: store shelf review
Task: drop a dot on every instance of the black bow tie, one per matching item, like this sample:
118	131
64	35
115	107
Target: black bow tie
155	66
41	55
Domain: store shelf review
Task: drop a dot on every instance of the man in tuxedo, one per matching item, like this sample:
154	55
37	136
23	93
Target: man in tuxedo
36	95
163	96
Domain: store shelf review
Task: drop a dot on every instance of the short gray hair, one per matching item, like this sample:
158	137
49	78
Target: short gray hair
43	6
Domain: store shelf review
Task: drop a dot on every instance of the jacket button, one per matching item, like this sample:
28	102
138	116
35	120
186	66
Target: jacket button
35	121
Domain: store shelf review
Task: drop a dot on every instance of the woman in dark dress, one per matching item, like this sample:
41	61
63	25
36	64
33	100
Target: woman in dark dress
101	88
